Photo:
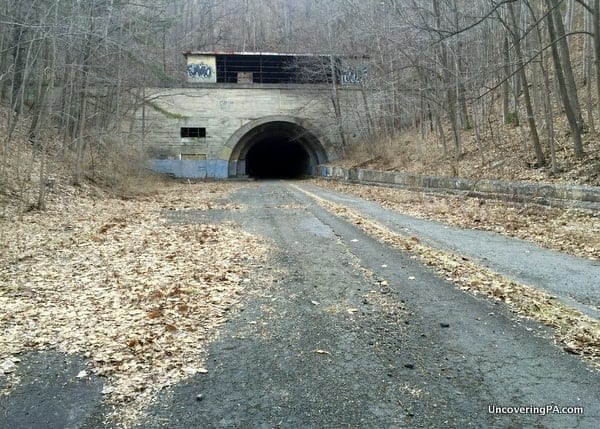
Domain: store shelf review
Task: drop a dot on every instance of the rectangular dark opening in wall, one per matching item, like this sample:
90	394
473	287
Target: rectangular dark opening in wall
193	132
273	68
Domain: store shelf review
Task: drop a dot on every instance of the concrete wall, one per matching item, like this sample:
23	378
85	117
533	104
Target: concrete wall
587	197
223	109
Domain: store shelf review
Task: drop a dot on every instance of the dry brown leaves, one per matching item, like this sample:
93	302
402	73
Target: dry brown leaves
113	281
577	332
567	230
503	152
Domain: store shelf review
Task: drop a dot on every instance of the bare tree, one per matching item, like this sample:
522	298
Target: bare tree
512	28
568	103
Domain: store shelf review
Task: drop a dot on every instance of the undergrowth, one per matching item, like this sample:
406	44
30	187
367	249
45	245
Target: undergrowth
111	167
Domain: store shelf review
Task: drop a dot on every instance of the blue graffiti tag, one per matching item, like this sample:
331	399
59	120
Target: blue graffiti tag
201	71
354	76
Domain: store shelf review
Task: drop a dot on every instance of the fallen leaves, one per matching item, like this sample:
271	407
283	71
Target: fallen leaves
119	283
8	365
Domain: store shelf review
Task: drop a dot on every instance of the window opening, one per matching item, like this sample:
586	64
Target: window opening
193	132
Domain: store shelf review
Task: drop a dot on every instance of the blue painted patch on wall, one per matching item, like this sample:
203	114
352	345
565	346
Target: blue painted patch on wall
193	169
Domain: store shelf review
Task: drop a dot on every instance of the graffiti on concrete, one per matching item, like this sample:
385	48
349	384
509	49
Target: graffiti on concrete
354	76
201	71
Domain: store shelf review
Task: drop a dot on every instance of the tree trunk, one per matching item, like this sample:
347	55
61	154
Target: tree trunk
588	53
549	116
539	154
569	111
449	84
596	26
47	118
335	99
81	141
567	68
506	114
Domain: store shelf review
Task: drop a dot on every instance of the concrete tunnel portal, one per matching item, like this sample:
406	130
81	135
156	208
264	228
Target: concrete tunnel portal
276	150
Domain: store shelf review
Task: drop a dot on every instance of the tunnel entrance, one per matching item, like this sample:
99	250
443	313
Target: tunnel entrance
278	149
276	158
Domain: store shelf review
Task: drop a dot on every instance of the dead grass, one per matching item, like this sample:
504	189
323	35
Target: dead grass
112	168
120	170
504	152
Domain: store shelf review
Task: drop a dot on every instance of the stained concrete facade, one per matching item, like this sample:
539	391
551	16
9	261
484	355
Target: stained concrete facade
232	118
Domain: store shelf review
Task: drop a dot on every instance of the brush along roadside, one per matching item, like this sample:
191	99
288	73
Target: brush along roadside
576	332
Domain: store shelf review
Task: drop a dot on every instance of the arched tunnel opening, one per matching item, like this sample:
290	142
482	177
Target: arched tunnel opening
275	158
277	150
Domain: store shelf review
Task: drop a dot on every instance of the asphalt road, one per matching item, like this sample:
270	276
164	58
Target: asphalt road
326	346
576	281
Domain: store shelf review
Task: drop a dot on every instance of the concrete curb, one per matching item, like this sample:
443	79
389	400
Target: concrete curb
579	196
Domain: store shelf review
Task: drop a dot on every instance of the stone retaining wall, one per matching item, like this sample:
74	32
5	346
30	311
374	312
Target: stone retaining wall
585	197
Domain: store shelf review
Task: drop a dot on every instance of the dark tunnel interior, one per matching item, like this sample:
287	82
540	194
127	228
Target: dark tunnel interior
277	157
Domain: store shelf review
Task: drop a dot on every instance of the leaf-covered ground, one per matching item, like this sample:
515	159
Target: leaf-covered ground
567	230
141	297
503	152
113	281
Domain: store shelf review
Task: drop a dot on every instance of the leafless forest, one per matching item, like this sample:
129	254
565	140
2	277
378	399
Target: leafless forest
307	302
460	77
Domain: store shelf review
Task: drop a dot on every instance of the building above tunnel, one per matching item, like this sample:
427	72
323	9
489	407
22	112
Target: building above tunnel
252	114
272	68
